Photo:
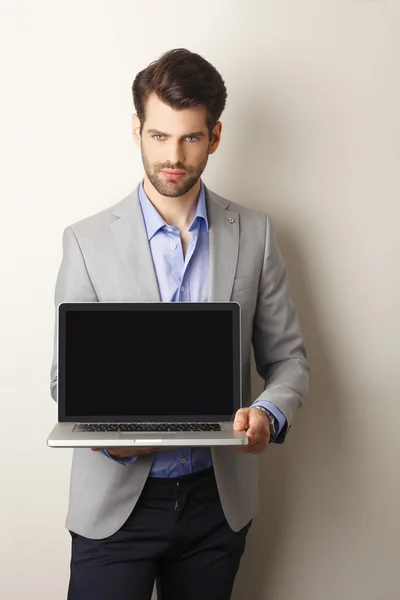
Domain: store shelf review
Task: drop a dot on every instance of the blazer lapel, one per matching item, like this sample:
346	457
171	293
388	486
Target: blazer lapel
130	236
224	246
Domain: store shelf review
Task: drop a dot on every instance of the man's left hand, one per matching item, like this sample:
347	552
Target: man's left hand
256	423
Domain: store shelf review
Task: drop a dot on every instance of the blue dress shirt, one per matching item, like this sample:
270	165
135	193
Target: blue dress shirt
181	280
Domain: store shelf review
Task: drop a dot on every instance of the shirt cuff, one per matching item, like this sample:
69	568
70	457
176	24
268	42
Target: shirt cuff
123	461
280	417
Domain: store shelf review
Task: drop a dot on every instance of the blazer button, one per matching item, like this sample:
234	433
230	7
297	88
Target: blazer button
231	220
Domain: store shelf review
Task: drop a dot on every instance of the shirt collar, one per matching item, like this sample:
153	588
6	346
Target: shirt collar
154	221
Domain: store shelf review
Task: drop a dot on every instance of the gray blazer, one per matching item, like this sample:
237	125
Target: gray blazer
107	258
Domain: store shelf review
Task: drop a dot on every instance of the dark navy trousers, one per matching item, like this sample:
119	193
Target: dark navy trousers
177	534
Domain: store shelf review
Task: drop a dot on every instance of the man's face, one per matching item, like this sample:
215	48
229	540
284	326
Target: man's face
174	140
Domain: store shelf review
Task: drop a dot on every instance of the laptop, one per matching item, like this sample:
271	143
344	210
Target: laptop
148	374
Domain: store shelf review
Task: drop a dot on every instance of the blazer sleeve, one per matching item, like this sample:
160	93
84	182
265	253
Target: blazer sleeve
73	284
279	349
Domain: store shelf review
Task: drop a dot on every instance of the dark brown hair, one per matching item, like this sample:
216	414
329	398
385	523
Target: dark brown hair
181	79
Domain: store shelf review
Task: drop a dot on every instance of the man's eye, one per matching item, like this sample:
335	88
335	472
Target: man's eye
193	138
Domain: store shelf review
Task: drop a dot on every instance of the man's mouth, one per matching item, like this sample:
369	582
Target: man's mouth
173	174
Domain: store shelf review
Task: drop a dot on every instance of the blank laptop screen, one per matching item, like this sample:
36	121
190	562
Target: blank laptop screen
148	362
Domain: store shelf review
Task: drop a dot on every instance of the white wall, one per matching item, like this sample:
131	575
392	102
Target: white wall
312	136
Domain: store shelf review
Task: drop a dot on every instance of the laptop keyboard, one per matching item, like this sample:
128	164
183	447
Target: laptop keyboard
148	427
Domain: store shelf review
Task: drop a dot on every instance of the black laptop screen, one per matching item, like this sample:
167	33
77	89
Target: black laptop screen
148	362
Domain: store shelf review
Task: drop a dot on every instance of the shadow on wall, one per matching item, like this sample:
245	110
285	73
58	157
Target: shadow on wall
313	439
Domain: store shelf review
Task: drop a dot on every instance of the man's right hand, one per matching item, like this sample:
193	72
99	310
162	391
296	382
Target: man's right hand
128	451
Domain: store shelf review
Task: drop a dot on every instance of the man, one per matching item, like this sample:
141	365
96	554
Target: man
179	515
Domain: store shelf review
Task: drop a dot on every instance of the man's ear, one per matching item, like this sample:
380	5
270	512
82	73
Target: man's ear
136	130
216	138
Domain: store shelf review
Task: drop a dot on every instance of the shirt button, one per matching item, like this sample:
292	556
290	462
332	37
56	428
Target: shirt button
183	460
169	229
173	246
183	288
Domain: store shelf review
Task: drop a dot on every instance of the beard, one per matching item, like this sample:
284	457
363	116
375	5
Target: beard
171	188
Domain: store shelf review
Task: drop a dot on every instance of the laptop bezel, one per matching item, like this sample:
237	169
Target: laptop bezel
231	306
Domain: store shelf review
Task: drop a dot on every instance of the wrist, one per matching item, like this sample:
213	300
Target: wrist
273	421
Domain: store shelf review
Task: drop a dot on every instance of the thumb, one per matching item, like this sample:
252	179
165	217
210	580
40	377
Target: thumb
256	423
241	419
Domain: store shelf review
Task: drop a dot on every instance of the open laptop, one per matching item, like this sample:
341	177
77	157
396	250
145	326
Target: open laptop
148	374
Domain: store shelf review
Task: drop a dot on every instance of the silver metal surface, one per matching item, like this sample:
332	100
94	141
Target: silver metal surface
62	436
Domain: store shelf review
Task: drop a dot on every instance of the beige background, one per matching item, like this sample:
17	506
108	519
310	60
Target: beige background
311	136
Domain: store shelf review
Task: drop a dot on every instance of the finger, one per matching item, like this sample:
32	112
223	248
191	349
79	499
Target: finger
127	451
241	419
251	444
257	424
255	448
142	450
95	449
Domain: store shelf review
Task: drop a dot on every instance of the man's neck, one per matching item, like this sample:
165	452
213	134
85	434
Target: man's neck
177	212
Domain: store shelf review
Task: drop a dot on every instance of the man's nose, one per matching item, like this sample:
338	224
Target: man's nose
176	155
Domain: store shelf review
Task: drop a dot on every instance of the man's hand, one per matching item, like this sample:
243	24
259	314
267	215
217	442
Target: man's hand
256	423
128	451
